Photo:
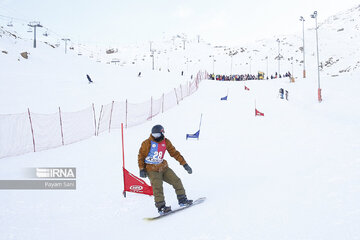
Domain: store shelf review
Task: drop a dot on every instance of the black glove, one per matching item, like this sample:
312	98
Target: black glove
143	173
188	168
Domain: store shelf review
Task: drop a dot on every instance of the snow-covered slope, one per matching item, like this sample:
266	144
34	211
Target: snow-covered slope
64	76
292	174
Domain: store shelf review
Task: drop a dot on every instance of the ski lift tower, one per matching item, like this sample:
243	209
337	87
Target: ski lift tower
231	54
34	25
279	56
314	15
66	40
302	19
153	56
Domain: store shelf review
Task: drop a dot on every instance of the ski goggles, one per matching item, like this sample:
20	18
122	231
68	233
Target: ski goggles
156	135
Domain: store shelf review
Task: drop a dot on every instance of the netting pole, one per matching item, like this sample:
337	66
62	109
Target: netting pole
32	130
162	105
177	100
112	106
197	81
189	88
151	103
61	127
93	106
181	95
99	120
126	113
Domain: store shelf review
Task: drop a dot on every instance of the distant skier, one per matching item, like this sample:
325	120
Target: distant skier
286	94
153	165
281	93
139	75
89	79
182	73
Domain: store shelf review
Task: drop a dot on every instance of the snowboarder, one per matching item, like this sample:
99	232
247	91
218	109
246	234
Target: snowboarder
89	79
281	93
153	165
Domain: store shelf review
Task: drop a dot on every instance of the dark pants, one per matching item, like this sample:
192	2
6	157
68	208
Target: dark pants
157	179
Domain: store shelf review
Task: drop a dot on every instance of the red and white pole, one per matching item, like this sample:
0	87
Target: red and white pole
61	127
112	106
93	107
101	110
319	95
32	129
123	155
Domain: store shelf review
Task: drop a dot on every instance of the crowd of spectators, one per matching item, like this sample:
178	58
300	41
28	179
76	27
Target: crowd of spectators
237	77
288	74
244	77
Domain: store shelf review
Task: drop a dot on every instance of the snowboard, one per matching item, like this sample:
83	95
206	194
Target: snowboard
196	202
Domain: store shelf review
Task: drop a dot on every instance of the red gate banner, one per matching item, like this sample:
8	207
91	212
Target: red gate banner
135	184
258	113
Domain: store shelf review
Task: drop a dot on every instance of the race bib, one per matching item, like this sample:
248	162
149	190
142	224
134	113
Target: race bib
156	153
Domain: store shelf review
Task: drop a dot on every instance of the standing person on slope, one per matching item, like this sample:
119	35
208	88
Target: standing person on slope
152	165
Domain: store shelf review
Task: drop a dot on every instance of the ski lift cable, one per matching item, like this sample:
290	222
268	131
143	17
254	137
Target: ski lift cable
8	10
14	19
48	30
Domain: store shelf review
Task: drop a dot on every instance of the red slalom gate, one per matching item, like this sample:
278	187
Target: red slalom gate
131	182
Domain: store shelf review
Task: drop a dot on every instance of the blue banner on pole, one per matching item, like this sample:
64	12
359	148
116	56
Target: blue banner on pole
224	98
195	135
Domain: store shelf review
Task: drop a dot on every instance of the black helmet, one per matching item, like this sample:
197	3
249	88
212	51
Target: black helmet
157	129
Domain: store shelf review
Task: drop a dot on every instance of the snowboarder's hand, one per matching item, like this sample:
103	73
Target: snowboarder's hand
188	168
143	173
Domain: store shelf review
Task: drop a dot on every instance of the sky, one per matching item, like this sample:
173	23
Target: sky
110	22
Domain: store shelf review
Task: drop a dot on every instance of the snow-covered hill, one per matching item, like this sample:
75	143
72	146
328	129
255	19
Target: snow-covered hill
292	174
64	76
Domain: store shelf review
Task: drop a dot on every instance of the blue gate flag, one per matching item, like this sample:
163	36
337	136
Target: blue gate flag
195	135
224	98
